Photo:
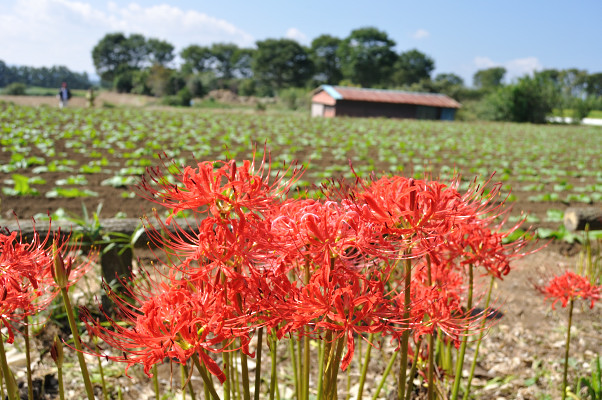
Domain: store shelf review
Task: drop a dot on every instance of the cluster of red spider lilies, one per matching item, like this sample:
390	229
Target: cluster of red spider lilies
381	259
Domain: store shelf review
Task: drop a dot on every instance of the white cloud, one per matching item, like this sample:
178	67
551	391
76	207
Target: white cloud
421	34
63	32
296	34
515	68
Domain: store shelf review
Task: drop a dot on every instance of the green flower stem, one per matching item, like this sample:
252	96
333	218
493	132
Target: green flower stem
156	382
102	377
333	369
258	365
410	387
364	369
321	368
183	381
245	376
274	378
226	384
348	384
431	345
2	386
403	362
460	360
291	350
206	378
190	388
11	385
306	348
476	351
385	374
61	386
78	344
566	351
28	360
236	386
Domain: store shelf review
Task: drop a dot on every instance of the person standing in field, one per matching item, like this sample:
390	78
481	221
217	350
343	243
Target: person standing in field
64	95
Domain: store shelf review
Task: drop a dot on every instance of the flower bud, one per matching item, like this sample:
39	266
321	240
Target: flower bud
59	272
56	351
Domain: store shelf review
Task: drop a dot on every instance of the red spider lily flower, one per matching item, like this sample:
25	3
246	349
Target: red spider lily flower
175	322
323	231
219	188
570	286
26	274
347	304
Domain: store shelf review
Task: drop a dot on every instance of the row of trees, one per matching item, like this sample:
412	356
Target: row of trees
365	58
44	77
533	97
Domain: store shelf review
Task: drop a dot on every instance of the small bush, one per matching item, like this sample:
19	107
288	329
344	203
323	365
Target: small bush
181	99
15	89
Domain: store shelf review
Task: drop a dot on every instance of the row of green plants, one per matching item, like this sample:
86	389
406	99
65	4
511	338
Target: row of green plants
385	262
557	163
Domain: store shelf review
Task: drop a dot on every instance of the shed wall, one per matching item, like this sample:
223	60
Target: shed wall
371	109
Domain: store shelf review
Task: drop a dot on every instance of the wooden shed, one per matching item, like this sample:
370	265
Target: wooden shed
332	101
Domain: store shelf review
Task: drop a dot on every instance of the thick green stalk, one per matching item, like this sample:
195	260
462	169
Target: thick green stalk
410	387
11	386
364	369
156	383
566	351
245	376
190	388
406	334
460	360
306	349
61	386
2	386
28	360
226	384
274	378
431	368
384	376
293	355
78	344
321	368
476	351
334	366
431	345
236	386
183	381
206	378
258	364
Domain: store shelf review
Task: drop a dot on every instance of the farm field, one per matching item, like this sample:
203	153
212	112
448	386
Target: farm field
53	159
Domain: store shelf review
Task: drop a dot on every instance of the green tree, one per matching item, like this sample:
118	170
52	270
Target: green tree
594	84
489	78
411	67
111	56
327	65
160	52
281	63
196	59
225	56
530	99
367	57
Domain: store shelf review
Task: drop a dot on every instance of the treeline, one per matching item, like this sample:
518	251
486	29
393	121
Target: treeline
365	58
44	77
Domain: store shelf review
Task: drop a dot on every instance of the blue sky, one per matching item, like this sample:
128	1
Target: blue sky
461	36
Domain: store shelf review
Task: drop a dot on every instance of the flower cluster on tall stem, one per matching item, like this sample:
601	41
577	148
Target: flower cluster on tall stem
566	289
383	256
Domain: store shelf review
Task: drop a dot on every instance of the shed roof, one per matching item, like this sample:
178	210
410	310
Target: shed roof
388	96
